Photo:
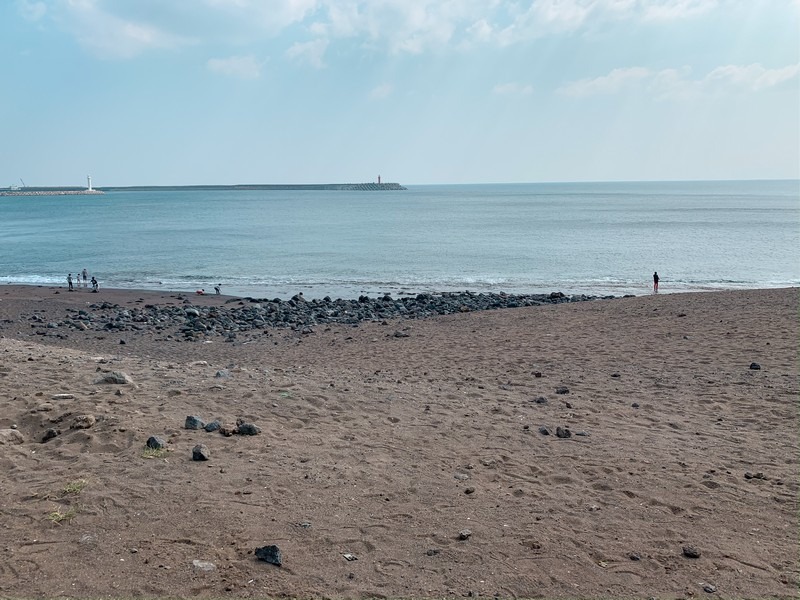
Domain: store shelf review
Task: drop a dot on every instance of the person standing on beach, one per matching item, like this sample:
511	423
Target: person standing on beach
69	282
655	282
216	289
85	277
94	284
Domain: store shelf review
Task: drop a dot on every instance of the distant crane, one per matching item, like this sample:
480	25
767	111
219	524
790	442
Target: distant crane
23	183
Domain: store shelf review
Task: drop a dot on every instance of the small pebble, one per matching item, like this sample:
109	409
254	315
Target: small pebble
691	552
201	452
270	554
464	534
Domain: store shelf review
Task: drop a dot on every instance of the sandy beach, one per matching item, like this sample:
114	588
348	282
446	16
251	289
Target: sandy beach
405	458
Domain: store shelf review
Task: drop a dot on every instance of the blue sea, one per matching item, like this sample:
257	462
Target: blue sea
593	238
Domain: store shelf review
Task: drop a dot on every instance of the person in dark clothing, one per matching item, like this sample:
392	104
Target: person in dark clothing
655	282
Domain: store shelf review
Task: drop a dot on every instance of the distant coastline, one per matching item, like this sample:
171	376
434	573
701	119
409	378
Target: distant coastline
74	191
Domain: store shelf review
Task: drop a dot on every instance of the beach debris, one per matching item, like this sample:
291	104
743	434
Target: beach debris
62	397
691	552
432	551
400	334
464	534
11	437
759	475
201	452
562	389
563	432
461	476
541	400
634	556
755	366
349	556
544	430
537	374
635	405
193	422
212	426
222	374
709	589
114	377
156	443
469	490
615	375
270	554
203	565
50	434
83	422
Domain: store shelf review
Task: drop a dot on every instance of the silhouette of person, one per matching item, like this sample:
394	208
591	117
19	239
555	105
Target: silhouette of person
85	275
94	284
216	289
69	282
655	282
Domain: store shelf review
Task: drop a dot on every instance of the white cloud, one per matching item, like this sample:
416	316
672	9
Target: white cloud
679	83
311	52
382	91
125	28
243	67
110	36
753	77
668	10
30	10
612	83
272	15
513	89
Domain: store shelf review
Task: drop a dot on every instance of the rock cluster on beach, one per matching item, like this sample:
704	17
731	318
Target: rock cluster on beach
249	314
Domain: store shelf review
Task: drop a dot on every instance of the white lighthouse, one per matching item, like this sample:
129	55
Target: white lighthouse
89	183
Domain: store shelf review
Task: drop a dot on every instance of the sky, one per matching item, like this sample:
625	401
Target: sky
181	92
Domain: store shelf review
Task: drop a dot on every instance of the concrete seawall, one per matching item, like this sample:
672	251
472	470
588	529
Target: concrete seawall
68	191
55	192
261	186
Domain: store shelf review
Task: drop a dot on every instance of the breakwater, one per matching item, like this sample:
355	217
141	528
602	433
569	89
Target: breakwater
51	192
325	187
315	187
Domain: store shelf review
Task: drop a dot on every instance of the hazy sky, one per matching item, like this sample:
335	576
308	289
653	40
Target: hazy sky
419	91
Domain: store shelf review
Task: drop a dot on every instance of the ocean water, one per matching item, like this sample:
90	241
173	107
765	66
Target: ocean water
594	238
